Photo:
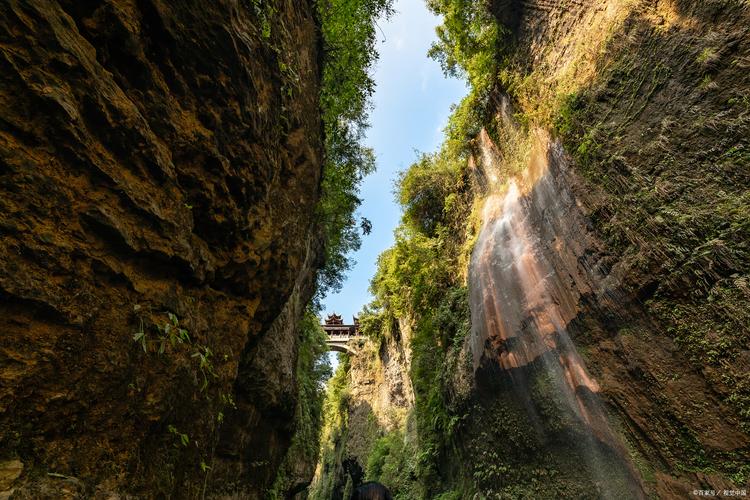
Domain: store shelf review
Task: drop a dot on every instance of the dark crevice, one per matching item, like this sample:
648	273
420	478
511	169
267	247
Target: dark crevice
11	305
153	262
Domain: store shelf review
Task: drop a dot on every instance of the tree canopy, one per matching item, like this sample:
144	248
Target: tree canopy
348	29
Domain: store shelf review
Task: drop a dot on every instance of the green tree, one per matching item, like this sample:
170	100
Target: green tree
348	29
468	40
313	369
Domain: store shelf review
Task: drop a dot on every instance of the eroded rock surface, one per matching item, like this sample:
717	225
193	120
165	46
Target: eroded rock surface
156	158
645	234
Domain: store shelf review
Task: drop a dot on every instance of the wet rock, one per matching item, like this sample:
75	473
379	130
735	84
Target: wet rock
649	263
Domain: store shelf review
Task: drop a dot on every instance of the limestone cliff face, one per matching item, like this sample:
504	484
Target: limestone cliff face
650	265
610	333
159	168
376	400
381	395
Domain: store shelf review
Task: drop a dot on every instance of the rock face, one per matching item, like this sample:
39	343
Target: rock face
378	399
159	167
381	395
650	266
528	272
609	286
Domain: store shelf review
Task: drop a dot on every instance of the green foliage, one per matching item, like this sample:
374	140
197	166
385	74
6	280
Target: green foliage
337	396
171	335
424	191
415	272
471	44
464	124
438	332
415	256
420	278
181	437
672	210
469	40
418	282
379	454
349	38
450	495
566	121
333	433
265	12
392	462
205	366
313	369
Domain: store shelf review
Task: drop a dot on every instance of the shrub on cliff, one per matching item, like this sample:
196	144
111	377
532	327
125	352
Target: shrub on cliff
313	369
420	279
468	40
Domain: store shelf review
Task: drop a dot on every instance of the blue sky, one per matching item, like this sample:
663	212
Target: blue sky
412	104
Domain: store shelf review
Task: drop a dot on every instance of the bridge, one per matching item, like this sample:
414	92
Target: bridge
340	335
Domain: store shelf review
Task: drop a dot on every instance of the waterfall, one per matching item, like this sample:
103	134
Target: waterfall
525	283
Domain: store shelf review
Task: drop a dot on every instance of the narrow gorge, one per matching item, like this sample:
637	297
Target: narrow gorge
569	280
564	311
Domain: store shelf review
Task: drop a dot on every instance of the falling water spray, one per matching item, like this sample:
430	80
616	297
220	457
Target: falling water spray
522	305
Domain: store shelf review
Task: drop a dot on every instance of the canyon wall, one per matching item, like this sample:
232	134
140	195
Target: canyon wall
641	220
372	404
160	164
602	196
652	112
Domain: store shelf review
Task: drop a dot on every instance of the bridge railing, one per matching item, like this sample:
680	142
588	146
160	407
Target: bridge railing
339	336
342	336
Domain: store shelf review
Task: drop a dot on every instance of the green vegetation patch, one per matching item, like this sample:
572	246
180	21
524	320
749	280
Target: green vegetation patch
349	51
313	369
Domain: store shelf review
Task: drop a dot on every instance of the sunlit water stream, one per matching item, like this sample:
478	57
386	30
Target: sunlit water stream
521	305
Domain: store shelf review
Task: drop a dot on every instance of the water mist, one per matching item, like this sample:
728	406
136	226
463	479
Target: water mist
525	282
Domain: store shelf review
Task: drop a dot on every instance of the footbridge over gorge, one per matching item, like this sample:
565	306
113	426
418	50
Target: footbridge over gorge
340	336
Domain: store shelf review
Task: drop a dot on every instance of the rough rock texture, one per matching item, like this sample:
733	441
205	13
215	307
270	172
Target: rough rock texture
156	158
532	264
381	395
379	398
655	115
638	224
265	399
